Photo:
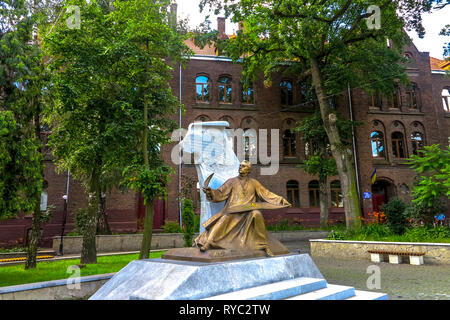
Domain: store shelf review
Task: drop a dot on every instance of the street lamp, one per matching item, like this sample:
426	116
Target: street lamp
66	198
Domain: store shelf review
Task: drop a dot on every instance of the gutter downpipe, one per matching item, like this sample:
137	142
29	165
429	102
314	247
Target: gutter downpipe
180	164
354	140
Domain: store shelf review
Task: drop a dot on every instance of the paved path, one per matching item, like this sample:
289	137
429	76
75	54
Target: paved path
401	282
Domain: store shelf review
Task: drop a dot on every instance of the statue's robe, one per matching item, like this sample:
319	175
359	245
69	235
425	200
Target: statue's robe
239	225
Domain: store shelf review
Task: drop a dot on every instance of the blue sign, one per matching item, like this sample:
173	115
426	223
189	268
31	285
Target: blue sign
367	195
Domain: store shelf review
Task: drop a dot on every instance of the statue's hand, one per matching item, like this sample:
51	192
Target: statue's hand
207	191
286	203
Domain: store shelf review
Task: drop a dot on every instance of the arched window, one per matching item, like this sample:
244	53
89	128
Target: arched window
417	142
336	194
411	96
250	145
446	99
202	87
408	57
398	145
306	94
293	193
394	99
313	188
311	148
289	144
247	94
225	90
377	142
375	101
286	93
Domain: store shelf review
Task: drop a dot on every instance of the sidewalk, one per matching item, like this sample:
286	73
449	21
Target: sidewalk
401	282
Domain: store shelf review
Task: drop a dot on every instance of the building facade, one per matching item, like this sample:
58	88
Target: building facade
210	88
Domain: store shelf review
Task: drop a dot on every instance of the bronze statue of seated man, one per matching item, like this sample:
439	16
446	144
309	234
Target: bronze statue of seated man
240	224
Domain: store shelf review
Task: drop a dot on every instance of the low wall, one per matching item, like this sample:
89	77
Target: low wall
55	290
120	243
132	242
435	253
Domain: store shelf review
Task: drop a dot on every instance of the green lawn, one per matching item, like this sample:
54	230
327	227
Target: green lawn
56	270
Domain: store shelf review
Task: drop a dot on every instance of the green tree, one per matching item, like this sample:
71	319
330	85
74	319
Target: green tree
330	41
151	36
413	10
432	167
188	222
320	161
22	79
113	103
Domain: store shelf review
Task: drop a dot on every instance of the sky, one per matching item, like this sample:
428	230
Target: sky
433	24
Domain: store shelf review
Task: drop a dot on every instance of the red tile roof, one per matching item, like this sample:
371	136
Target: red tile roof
438	64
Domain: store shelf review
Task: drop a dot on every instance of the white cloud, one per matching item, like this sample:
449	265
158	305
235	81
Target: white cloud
433	42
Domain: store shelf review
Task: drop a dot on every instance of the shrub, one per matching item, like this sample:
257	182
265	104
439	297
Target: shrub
419	212
80	220
375	231
196	222
336	235
172	227
427	234
188	222
395	215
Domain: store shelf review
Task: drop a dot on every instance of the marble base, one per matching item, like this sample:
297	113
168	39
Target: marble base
162	279
219	255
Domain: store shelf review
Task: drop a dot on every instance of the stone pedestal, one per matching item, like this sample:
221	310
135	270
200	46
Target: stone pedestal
395	259
416	260
376	257
162	279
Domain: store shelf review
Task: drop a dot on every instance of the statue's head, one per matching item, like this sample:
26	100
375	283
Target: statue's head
245	168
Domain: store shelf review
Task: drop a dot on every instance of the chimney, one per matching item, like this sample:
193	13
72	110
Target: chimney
221	27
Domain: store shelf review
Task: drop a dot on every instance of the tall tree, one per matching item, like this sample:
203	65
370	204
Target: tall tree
151	33
112	100
320	161
22	80
331	41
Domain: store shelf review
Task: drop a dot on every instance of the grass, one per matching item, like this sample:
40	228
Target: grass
57	270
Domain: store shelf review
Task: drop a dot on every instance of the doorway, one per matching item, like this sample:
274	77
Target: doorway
382	191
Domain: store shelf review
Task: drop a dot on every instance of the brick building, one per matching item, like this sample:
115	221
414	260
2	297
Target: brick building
393	129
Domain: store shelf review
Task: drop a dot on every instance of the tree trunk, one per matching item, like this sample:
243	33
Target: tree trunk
34	239
323	202
102	223
149	210
342	155
148	231
35	235
89	249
